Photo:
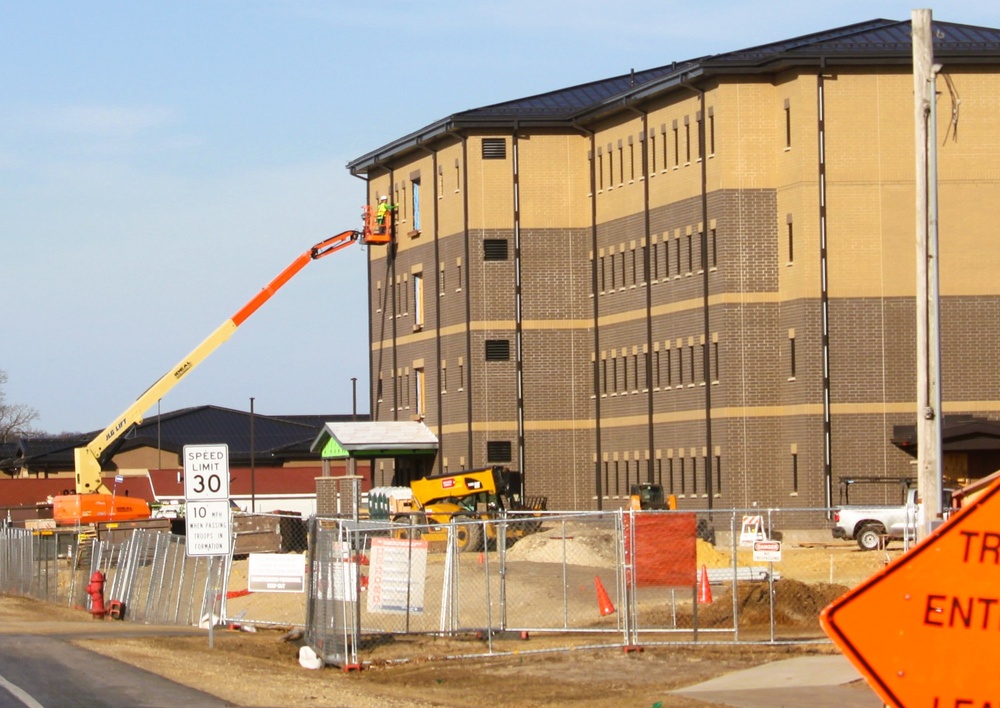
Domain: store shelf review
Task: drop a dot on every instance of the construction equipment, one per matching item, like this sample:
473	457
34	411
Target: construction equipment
647	495
93	501
434	502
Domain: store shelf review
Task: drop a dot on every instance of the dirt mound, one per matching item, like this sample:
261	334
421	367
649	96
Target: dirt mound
577	544
796	605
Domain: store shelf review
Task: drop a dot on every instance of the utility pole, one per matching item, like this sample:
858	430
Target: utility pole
928	296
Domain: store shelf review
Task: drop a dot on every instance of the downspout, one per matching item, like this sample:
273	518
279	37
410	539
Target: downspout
649	292
598	487
438	464
706	360
468	302
371	331
824	290
518	309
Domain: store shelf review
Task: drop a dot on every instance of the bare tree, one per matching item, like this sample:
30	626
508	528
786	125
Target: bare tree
15	418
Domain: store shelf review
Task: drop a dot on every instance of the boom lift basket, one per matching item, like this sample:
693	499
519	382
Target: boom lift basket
377	234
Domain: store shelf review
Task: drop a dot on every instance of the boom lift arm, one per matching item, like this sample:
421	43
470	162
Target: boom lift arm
88	459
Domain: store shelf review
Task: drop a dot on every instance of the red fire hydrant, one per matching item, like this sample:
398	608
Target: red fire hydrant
95	588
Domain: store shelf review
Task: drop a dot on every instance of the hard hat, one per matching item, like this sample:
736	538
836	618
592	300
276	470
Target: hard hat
383	198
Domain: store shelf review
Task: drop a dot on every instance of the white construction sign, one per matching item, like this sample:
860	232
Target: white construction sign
396	575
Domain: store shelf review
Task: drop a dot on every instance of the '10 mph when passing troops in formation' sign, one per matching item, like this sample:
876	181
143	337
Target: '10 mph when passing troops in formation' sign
206	500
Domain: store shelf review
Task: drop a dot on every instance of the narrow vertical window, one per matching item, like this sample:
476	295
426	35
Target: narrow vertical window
654	261
690	250
718	475
631	161
621	164
714	247
600	170
678	271
795	472
677	145
461	374
458	176
683	477
623	267
699	132
415	187
635	268
711	132
611	166
419	397
791	238
788	124
687	140
694	474
694	375
603	274
663	132
444	376
715	358
656	368
652	151
418	300
670	474
791	354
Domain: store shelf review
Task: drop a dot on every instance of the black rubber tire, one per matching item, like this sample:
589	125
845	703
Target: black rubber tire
468	537
869	537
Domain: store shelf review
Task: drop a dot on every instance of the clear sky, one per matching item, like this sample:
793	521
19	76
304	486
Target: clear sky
162	160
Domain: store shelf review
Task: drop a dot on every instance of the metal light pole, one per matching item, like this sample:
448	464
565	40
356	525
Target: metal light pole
253	471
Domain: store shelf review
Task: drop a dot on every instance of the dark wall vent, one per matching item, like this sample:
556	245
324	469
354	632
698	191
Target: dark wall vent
498	450
495	249
494	148
497	350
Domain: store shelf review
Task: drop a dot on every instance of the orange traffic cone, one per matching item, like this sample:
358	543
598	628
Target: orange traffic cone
704	589
603	601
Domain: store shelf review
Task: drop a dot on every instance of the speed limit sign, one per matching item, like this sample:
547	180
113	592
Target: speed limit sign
206	472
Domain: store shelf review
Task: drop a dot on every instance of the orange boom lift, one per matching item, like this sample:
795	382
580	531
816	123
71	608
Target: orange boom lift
93	501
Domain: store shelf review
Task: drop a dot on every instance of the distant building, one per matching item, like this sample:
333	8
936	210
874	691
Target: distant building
272	468
701	275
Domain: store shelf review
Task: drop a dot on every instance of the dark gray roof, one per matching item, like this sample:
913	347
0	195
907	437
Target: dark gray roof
875	41
276	439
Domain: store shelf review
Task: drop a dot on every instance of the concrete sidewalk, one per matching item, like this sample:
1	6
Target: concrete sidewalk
815	681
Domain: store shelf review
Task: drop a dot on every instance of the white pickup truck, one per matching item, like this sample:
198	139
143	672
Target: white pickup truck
873	526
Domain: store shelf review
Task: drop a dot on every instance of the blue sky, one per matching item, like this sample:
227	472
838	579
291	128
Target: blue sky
161	161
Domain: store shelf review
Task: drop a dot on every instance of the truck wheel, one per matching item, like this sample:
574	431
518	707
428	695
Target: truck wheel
869	537
468	537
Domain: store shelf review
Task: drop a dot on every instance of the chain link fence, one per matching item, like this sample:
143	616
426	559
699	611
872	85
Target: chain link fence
604	579
627	579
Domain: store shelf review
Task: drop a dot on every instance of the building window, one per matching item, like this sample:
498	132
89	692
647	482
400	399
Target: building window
494	148
495	249
715	358
683	477
791	238
415	188
791	355
714	249
718	475
687	140
795	472
700	128
419	391
497	350
498	451
711	132
461	374
418	300
788	124
652	151
690	249
677	146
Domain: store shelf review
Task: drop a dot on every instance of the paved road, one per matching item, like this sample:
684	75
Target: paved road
43	670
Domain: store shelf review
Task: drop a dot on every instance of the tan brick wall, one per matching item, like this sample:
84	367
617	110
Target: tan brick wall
763	174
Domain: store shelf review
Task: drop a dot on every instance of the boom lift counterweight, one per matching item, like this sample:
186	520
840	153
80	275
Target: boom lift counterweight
93	501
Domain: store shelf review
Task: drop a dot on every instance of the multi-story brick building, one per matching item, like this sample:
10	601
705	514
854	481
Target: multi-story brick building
701	274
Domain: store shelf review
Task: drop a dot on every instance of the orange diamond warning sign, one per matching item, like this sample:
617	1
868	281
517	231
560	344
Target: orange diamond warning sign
924	631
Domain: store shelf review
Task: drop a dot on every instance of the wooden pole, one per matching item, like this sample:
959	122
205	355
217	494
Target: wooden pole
928	333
